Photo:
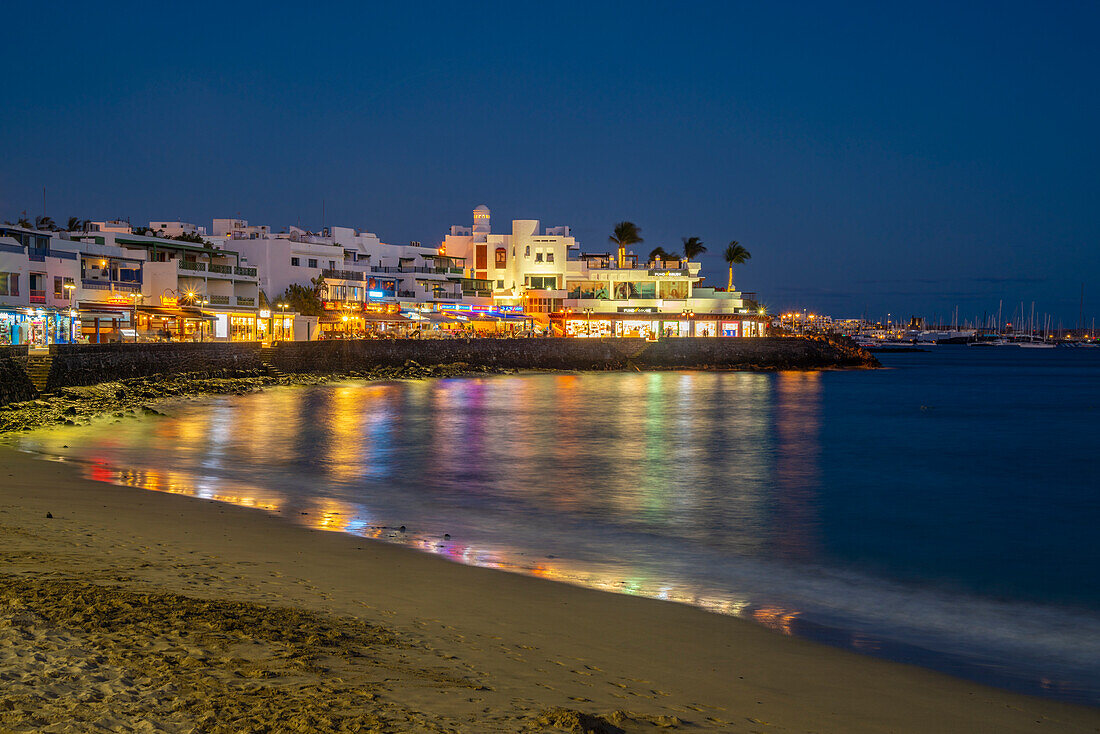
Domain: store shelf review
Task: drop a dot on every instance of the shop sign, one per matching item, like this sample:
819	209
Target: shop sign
376	294
265	313
637	309
330	305
169	301
679	273
118	298
510	309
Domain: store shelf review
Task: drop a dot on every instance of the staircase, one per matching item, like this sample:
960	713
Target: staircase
273	371
38	370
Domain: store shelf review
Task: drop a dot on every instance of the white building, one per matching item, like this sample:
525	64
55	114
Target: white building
141	287
525	268
117	226
37	284
239	227
583	294
364	283
162	228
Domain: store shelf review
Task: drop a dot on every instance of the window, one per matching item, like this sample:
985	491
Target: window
538	282
501	257
331	264
9	284
313	262
538	255
500	284
527	251
294	262
58	289
550	256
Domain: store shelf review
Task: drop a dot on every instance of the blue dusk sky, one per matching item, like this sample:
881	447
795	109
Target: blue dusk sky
873	157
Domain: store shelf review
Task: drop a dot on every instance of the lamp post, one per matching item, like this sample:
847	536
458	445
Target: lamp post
134	297
70	290
282	321
202	318
689	315
588	313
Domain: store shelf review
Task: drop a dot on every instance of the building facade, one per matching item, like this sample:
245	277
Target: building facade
544	273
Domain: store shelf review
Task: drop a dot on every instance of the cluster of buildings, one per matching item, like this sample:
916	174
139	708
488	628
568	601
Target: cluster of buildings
178	281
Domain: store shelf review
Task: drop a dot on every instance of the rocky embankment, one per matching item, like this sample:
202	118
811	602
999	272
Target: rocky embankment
143	395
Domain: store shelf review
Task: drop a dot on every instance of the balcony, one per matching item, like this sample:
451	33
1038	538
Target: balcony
107	285
190	265
249	272
406	294
246	301
38	296
224	269
343	274
411	269
218	300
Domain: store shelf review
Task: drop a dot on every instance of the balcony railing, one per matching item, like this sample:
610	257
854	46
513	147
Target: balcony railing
246	301
219	300
406	294
190	265
343	274
106	285
250	272
38	296
225	269
411	269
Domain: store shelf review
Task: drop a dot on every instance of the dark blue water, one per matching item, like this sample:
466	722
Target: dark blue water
942	511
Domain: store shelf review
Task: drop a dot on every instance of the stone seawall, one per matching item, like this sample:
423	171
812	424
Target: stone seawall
89	364
15	386
82	365
571	354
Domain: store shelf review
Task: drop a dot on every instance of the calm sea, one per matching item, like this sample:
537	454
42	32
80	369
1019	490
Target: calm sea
944	511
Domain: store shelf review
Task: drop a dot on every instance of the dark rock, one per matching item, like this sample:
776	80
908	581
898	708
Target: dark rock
49	516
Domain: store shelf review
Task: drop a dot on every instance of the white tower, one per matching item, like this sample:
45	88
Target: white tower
481	223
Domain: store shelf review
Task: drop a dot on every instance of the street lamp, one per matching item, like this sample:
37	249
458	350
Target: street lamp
70	290
588	329
134	298
689	316
282	320
202	319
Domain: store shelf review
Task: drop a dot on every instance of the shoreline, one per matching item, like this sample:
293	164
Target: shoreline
545	651
82	404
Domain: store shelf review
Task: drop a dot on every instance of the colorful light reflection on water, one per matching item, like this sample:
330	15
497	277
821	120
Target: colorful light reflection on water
715	490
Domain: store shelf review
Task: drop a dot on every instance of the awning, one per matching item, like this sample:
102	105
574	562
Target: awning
175	313
374	318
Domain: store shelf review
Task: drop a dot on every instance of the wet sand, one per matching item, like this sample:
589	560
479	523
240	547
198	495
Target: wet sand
131	610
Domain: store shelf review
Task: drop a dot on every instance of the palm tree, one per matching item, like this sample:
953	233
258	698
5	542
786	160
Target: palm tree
693	247
44	222
624	235
76	224
658	253
736	255
25	223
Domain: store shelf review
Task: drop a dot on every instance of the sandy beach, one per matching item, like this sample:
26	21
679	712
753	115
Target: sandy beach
130	610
